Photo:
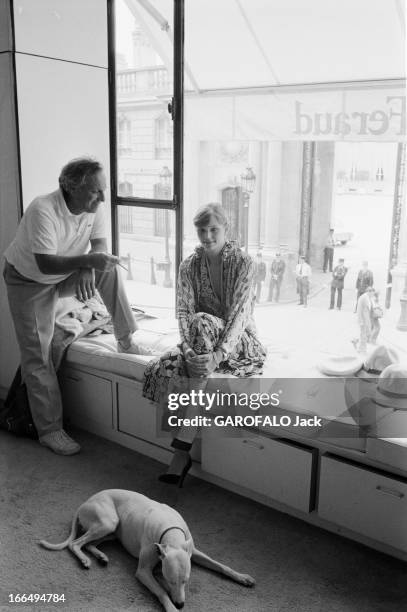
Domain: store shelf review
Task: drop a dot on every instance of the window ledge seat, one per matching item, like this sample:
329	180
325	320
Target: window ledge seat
305	392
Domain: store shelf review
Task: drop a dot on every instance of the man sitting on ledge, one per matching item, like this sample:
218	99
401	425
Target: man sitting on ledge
47	260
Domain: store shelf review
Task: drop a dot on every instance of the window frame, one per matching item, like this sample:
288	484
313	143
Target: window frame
177	112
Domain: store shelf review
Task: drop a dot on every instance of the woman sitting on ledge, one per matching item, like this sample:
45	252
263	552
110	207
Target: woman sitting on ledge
215	301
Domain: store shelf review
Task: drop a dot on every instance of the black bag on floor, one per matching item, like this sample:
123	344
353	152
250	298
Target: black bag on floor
15	414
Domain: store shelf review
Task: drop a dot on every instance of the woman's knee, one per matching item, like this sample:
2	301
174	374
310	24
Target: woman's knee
200	318
204	321
204	331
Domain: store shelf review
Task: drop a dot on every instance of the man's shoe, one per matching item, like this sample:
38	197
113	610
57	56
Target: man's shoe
59	442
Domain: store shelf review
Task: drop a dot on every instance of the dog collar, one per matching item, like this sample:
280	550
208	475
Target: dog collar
168	529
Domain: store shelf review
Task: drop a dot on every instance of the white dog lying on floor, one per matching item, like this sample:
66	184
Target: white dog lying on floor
148	530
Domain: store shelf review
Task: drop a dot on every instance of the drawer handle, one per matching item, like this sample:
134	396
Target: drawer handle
255	444
388	491
74	378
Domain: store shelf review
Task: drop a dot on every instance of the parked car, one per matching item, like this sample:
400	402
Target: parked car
341	235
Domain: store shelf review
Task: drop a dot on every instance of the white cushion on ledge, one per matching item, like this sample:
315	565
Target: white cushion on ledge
297	366
100	352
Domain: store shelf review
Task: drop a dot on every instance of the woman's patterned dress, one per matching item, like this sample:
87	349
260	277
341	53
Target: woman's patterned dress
208	323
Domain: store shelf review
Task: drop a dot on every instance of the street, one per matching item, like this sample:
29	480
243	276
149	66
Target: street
285	327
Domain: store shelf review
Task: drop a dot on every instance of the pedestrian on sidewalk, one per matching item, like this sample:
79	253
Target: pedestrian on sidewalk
260	275
364	314
376	315
329	251
277	270
303	274
337	283
364	280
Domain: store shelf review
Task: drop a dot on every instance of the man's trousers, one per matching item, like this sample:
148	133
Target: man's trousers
32	307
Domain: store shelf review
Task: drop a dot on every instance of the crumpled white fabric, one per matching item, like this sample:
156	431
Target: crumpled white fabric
71	314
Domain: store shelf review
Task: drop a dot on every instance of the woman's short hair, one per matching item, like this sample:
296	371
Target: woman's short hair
76	172
206	212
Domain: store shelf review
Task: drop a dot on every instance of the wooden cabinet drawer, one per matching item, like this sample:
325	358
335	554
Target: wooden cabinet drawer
138	417
281	471
86	396
364	500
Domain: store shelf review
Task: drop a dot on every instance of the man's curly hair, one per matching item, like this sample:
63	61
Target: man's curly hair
76	173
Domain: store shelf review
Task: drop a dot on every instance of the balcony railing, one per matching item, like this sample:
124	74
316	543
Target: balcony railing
154	80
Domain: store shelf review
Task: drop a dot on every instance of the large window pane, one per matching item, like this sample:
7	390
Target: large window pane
250	179
364	181
287	165
144	87
299	191
147	249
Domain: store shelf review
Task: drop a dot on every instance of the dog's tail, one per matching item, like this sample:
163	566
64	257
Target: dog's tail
67	541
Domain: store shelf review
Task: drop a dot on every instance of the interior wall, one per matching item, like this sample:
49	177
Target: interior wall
5	29
9	211
63	113
62	100
71	30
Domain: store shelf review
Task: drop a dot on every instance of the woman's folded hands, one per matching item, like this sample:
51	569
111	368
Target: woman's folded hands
200	365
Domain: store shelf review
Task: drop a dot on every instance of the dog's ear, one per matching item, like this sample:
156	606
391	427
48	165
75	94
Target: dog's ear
188	546
161	550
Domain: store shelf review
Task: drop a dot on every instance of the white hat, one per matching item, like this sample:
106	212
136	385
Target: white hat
392	387
378	360
341	366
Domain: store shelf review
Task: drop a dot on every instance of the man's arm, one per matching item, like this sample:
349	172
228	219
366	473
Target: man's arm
60	264
98	245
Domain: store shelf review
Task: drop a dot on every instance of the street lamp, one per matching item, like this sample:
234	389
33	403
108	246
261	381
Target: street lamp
165	177
165	181
248	183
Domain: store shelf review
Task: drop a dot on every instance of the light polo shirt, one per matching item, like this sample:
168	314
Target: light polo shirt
48	227
330	242
303	270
